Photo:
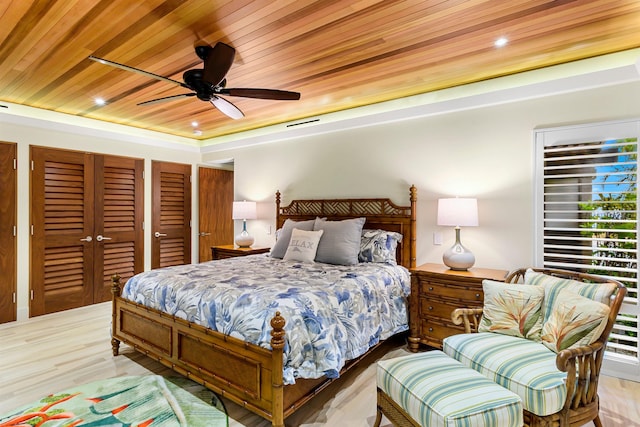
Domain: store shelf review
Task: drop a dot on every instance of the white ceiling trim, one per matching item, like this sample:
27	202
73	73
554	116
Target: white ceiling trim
52	120
591	73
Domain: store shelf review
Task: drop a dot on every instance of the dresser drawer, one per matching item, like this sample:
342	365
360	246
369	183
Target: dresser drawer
434	332
452	292
439	309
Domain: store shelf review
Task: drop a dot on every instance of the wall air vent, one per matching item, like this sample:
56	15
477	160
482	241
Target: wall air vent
302	123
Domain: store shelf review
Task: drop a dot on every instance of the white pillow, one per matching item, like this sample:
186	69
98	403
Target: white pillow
284	235
303	245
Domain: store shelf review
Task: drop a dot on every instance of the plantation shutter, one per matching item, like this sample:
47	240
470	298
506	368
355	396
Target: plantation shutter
586	202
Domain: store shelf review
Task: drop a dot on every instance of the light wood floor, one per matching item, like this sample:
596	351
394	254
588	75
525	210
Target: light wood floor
50	353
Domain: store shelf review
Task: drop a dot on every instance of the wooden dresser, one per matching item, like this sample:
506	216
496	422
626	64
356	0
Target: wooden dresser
435	292
229	251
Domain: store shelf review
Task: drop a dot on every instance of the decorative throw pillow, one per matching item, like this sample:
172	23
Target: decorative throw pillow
512	309
340	243
600	292
303	245
284	236
379	246
575	321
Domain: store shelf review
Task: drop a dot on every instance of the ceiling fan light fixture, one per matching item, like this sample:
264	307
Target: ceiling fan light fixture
100	101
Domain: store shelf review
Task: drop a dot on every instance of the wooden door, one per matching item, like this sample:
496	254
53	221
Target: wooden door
171	217
215	200
62	223
87	217
8	226
119	213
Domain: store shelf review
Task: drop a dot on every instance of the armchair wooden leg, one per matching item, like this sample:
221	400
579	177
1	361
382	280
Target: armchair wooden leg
378	417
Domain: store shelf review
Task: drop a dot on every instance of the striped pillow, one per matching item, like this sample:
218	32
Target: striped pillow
600	292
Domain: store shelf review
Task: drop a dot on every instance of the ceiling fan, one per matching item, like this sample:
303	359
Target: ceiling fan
209	83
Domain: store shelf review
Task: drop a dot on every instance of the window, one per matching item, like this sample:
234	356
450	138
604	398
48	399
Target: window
586	217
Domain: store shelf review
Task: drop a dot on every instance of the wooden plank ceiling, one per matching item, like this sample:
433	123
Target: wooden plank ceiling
338	54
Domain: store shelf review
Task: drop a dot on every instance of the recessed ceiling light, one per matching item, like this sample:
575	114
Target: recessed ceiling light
194	124
501	42
100	101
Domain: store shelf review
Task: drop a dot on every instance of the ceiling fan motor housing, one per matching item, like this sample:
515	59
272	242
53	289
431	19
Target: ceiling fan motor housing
193	79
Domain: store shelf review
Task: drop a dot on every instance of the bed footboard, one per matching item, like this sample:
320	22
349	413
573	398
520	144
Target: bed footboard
247	374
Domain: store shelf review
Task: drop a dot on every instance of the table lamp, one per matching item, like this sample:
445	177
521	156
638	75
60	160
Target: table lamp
458	212
244	210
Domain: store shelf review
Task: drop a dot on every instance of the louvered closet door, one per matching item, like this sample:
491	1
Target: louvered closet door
87	213
62	250
171	217
119	215
7	232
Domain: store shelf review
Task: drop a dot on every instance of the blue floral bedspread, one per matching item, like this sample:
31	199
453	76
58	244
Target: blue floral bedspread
333	313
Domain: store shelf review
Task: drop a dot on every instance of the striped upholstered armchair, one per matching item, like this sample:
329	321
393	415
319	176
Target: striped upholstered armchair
554	363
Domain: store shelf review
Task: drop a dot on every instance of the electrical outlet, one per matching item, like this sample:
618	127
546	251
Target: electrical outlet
437	238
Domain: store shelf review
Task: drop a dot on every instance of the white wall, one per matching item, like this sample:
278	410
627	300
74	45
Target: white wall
25	135
485	153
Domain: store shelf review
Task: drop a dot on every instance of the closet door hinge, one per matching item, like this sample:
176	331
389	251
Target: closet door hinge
15	231
15	164
32	229
32	165
143	225
142	174
32	294
14	297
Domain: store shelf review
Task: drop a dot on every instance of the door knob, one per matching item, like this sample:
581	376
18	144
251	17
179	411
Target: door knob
86	239
100	238
159	234
204	233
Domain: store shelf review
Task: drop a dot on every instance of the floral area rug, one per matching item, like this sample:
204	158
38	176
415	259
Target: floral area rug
140	401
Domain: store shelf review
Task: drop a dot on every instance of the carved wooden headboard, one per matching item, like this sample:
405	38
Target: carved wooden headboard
380	214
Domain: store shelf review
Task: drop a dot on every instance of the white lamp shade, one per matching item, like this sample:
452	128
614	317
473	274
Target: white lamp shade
244	210
458	212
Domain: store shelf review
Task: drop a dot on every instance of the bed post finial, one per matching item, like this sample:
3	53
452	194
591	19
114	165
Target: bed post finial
413	192
115	285
277	331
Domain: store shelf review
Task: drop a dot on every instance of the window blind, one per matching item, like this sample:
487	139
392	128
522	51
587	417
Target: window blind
586	201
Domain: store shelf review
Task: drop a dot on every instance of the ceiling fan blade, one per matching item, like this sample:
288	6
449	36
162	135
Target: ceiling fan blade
137	70
226	107
218	63
166	98
281	95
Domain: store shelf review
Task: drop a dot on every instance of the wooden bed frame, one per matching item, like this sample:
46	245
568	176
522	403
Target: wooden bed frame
245	373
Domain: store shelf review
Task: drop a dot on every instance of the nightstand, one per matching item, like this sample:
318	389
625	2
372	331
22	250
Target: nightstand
435	292
229	251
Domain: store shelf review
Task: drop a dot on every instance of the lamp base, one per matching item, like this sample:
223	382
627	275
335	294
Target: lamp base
457	257
244	239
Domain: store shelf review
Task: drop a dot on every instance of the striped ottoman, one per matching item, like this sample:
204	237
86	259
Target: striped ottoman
432	389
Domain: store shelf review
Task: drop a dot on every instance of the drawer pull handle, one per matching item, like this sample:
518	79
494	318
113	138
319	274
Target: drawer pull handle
430	288
477	295
430	329
430	307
